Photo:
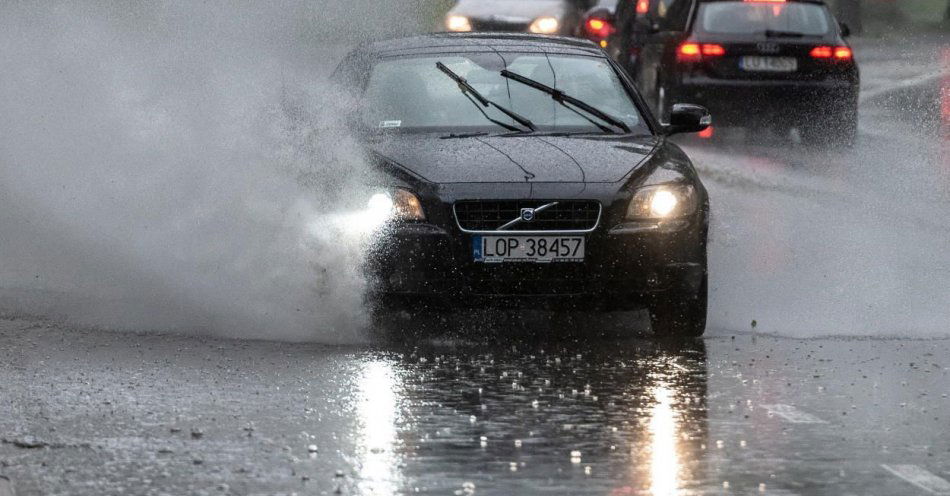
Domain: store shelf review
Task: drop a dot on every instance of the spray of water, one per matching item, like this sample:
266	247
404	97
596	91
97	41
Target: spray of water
175	165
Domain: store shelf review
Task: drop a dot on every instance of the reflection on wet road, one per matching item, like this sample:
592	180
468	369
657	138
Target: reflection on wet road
104	413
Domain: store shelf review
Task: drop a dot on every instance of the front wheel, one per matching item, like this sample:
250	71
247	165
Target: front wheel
680	313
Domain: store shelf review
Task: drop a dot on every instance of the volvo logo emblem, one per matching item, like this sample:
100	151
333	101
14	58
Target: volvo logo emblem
768	47
527	214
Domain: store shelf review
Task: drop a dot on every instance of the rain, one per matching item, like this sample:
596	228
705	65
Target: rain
190	221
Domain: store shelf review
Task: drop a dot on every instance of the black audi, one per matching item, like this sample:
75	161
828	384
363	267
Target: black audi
525	171
778	64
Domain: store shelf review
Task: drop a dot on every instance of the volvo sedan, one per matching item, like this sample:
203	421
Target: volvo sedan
525	171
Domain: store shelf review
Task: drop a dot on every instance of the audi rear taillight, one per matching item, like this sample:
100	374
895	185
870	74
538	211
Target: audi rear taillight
830	52
843	53
694	52
712	50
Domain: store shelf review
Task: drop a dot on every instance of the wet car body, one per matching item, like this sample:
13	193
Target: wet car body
628	264
517	16
704	51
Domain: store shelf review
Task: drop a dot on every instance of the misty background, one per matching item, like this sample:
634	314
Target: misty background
163	164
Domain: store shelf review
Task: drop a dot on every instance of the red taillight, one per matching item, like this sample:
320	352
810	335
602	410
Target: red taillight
643	6
707	133
827	52
822	52
711	50
692	52
843	53
599	28
689	52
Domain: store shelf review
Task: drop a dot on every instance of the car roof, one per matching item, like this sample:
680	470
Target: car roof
507	42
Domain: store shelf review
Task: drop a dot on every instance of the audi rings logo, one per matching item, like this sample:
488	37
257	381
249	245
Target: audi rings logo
768	47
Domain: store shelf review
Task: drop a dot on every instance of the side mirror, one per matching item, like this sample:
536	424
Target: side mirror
688	118
845	30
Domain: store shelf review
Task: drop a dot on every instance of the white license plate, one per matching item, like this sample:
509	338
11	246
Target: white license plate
537	249
769	64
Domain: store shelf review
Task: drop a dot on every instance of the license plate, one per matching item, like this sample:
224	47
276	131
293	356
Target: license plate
536	249
769	64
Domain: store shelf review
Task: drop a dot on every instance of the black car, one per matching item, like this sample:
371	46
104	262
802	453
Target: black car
600	24
618	26
525	171
754	63
562	17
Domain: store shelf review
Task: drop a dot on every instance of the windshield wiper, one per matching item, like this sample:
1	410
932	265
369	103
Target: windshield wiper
466	135
480	101
563	98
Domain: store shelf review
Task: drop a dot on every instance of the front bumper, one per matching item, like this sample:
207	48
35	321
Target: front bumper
760	102
423	264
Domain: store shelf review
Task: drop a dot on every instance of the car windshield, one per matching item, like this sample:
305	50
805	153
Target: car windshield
762	17
412	94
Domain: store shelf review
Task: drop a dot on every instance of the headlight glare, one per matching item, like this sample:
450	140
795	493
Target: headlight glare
666	201
400	204
544	25
406	206
458	23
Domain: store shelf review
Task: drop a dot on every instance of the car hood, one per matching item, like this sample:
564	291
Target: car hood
509	10
536	158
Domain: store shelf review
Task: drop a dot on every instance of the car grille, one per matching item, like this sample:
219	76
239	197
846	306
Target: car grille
566	215
486	25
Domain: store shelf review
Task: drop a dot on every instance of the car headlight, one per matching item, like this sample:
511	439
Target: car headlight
400	204
457	23
544	25
665	201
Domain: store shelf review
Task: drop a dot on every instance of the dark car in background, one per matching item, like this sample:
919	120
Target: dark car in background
556	17
600	24
525	171
618	26
756	63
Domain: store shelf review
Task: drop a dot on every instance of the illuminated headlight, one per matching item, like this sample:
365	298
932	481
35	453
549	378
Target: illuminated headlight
400	204
457	23
666	201
544	25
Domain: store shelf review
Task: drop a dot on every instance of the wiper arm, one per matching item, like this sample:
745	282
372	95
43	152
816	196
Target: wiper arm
563	98
465	135
471	93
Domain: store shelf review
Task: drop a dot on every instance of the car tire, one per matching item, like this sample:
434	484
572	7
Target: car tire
681	314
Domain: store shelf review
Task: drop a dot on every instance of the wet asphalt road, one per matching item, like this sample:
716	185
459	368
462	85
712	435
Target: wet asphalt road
87	412
93	412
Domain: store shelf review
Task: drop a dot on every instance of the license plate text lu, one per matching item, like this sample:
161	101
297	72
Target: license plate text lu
769	64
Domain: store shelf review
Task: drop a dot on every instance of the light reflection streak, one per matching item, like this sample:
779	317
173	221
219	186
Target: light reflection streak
664	459
378	413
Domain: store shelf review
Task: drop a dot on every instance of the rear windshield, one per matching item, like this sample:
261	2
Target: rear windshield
750	17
